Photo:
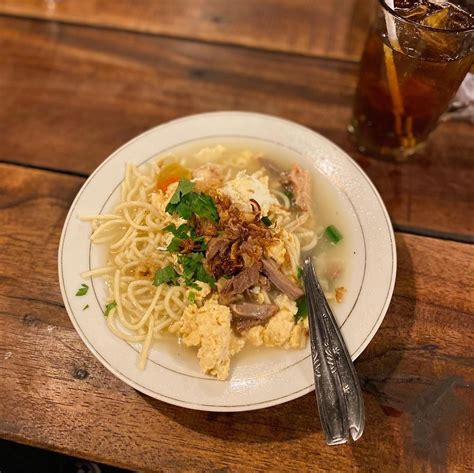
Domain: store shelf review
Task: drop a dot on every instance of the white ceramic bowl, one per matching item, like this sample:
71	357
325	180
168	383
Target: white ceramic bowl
259	377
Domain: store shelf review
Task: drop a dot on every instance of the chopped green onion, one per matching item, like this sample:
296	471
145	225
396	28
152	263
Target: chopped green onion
302	305
299	272
191	297
109	307
82	291
85	307
266	221
289	194
333	234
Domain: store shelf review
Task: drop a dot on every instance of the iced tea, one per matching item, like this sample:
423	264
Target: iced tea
414	60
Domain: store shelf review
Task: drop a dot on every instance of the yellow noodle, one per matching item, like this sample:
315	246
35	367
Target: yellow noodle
309	246
87	218
119	333
97	272
146	346
129	234
298	222
282	198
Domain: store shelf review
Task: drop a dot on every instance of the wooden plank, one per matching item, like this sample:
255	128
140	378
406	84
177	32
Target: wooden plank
75	94
321	28
417	372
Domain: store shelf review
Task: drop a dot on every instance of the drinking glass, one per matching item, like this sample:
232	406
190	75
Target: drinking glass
416	56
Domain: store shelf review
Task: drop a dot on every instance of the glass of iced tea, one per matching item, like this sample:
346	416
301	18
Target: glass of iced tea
416	56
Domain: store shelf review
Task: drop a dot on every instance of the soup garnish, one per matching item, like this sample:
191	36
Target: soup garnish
209	250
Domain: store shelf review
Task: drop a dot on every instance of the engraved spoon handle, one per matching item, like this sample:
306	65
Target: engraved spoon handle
340	402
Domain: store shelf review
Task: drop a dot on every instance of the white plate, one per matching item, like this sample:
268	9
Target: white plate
259	378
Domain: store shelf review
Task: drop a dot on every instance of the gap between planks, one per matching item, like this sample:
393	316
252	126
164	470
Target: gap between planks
119	29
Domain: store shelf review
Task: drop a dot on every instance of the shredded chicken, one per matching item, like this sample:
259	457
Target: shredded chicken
217	246
247	315
208	176
280	281
237	285
299	182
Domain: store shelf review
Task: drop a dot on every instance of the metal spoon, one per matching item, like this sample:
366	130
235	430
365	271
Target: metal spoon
340	402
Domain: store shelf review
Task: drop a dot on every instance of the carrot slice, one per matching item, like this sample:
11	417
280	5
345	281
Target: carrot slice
171	173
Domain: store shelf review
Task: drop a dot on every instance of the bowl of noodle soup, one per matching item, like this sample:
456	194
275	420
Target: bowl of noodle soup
190	240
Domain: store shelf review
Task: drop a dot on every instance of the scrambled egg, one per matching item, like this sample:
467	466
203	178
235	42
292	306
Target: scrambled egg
199	295
210	154
215	154
244	187
258	295
281	330
243	159
208	328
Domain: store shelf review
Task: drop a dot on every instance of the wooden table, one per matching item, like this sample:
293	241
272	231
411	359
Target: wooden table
78	79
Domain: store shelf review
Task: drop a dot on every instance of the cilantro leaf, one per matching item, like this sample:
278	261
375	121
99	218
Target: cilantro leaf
204	276
193	270
191	297
184	187
203	206
174	245
109	307
200	244
190	263
183	209
82	291
299	272
177	203
186	203
181	236
170	228
180	232
165	275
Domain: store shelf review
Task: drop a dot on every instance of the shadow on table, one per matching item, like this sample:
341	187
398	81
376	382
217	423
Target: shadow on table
289	421
376	367
299	418
16	458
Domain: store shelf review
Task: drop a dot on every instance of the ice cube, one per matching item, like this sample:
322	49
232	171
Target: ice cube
446	15
460	20
439	3
406	4
437	19
415	14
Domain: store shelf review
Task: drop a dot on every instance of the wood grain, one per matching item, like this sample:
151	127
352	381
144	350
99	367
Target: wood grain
417	373
71	95
321	28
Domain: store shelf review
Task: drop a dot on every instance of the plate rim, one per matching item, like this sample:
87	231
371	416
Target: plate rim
235	408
